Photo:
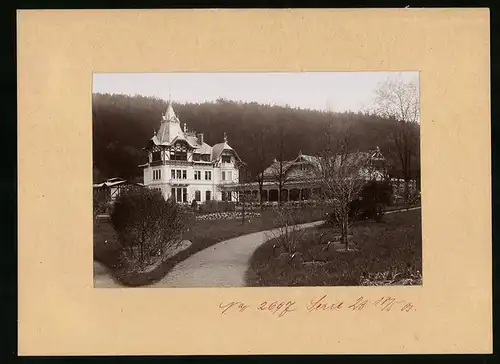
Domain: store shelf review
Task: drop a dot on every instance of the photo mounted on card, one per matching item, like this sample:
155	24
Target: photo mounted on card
258	183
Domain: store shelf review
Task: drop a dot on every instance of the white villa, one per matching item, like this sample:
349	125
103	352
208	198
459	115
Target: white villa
183	167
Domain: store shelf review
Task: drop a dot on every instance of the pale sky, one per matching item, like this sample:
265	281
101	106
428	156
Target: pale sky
334	91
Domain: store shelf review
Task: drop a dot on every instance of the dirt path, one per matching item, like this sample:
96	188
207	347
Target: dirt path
221	265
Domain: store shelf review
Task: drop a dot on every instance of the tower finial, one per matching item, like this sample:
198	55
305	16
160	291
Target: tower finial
225	137
184	128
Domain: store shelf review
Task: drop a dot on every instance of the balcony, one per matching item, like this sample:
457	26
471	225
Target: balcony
156	163
177	163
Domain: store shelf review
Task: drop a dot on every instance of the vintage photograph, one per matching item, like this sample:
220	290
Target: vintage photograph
256	179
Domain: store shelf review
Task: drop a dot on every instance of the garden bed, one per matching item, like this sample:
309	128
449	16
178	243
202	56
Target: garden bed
389	252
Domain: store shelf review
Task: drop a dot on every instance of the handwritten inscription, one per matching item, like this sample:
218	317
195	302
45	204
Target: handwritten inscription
319	304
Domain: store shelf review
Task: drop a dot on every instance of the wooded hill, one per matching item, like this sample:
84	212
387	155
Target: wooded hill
123	124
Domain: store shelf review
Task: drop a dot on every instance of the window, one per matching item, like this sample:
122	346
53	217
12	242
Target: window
226	159
197	195
157	174
208	175
179	194
207	195
178	174
230	176
205	157
196	157
223	175
197	175
173	173
184	174
178	156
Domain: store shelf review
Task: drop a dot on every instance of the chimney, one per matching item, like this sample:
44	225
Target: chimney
200	138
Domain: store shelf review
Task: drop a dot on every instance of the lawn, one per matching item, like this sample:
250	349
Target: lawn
388	251
202	234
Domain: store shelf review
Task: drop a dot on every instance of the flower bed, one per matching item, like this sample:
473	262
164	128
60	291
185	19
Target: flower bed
227	215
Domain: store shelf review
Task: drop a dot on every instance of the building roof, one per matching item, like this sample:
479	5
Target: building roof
219	148
315	161
171	132
112	182
183	138
274	168
170	113
205	149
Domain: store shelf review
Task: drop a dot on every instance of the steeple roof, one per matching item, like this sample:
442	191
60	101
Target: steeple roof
170	126
170	114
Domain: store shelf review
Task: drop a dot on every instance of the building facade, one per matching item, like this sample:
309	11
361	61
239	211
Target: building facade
297	177
184	167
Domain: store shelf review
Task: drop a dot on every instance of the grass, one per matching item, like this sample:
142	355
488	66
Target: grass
383	249
202	234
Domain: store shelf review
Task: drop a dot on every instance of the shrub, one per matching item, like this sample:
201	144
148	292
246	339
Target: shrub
288	234
147	226
371	203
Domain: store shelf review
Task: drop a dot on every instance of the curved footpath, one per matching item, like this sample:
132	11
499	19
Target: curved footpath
221	265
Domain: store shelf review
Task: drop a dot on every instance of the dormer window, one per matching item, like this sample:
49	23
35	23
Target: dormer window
196	157
226	159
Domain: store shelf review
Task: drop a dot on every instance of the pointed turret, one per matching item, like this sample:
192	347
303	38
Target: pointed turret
170	127
169	114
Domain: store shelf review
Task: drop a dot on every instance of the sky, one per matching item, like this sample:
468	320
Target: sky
332	91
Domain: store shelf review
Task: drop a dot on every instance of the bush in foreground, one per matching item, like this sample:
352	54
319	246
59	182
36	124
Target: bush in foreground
147	226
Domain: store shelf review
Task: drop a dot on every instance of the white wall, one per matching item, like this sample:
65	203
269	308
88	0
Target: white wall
202	185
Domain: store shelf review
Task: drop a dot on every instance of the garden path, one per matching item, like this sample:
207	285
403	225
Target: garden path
103	277
221	265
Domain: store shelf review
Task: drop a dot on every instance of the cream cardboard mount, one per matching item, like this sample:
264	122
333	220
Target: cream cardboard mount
59	311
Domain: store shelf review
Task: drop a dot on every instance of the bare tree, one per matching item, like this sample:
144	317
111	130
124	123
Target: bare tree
399	101
341	176
260	138
288	233
280	167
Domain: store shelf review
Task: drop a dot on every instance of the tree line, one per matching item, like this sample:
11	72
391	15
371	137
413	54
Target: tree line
122	125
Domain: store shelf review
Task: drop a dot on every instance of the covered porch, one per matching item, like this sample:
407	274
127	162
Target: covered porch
270	192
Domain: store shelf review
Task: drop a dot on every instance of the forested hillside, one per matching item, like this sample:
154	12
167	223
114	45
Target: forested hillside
123	124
